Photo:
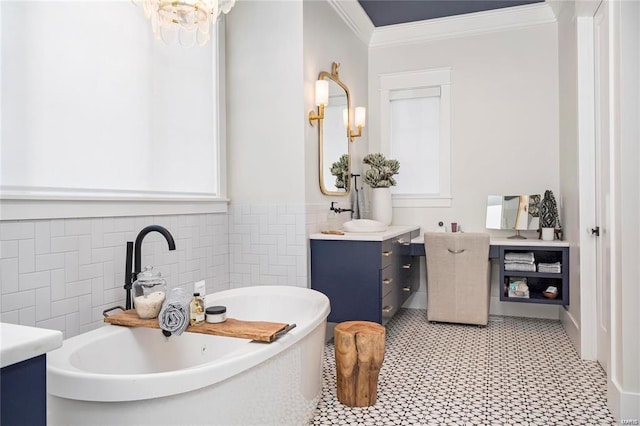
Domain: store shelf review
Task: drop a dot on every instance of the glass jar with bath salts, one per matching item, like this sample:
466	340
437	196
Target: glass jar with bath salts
149	291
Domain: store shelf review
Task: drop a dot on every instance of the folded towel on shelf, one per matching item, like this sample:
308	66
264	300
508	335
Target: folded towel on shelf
523	267
174	314
519	257
550	267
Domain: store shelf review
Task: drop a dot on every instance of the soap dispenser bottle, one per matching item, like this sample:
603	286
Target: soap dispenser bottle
196	310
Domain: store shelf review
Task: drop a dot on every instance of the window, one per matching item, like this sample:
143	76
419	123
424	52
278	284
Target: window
415	131
95	109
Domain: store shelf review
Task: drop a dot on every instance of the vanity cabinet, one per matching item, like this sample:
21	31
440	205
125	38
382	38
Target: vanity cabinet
538	281
367	277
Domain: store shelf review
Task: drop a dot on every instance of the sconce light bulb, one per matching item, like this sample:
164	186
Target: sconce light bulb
360	117
322	92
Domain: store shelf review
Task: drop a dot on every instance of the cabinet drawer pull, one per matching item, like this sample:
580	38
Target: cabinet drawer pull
387	281
407	266
387	309
387	253
407	289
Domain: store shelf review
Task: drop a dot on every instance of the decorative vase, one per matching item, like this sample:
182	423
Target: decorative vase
547	234
381	205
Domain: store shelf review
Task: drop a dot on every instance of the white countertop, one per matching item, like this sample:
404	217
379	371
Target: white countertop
512	242
19	342
392	231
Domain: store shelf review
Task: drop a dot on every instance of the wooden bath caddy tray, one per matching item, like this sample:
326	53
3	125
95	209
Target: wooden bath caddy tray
261	331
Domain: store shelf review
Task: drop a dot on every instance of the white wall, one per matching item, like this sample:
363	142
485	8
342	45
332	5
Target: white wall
265	105
569	159
504	119
625	351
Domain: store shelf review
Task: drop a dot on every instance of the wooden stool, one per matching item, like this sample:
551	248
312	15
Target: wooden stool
359	355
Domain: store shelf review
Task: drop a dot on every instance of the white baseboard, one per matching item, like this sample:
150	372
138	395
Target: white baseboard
510	309
573	331
623	405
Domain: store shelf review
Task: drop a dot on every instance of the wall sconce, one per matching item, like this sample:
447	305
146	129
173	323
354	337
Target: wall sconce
359	121
322	99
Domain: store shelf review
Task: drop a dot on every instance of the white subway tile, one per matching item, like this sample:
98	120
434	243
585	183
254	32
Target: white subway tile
77	226
77	288
12	317
27	256
57	284
57	228
34	280
114	239
102	254
63	307
8	249
85	308
19	300
64	244
45	262
124	224
57	323
84	249
16	230
109	274
43	237
97	232
43	303
72	324
97	291
9	275
71	266
92	270
28	316
114	296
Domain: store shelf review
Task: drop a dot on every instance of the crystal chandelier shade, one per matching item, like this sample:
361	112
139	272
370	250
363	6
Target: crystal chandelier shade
188	21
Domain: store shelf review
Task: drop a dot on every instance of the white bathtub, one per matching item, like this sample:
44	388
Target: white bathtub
120	375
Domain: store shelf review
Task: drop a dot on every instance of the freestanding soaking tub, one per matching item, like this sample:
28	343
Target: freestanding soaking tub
120	375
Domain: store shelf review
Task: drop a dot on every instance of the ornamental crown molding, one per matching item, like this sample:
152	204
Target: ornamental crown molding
449	27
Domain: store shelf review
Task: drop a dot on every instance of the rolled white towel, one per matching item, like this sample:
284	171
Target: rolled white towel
174	315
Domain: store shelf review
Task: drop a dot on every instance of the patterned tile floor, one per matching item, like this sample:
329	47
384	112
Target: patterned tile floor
515	371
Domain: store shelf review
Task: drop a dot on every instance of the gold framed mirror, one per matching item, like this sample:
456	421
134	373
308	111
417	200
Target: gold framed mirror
333	136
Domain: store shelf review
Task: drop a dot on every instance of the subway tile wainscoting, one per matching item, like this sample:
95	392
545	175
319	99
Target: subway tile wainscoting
62	273
267	245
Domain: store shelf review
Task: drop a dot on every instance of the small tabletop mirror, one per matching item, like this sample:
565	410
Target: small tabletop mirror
515	212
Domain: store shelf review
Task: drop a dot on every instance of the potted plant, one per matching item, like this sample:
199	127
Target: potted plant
379	177
549	219
340	169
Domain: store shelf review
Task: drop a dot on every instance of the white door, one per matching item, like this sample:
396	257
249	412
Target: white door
603	188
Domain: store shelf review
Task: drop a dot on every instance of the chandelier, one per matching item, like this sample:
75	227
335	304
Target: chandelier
188	21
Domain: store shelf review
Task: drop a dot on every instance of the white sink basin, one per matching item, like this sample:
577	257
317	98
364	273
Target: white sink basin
364	225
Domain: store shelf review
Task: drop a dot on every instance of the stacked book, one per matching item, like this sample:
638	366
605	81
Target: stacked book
554	268
519	261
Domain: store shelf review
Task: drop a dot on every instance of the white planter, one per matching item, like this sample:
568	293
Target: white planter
547	234
381	205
